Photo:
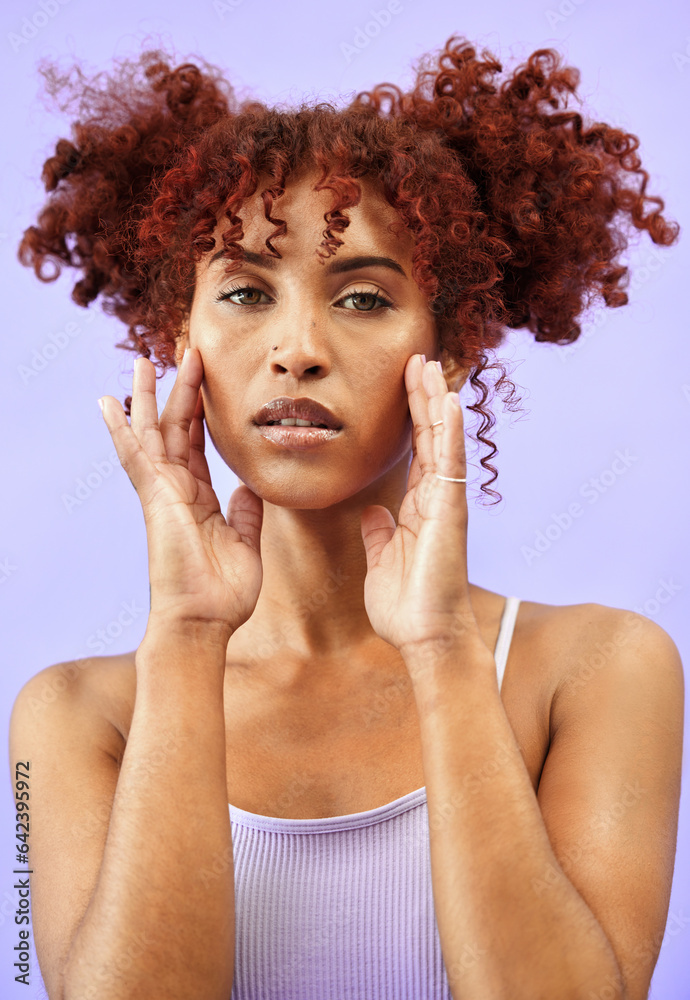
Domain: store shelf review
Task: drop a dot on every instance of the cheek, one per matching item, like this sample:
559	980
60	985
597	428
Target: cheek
384	422
382	375
228	411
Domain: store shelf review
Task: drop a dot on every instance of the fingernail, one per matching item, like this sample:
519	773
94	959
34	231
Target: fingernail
100	403
423	357
440	367
456	399
184	355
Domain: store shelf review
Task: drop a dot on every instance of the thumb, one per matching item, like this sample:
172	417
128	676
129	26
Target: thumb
378	526
246	515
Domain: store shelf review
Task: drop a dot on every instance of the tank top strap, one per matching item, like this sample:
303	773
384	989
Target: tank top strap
505	635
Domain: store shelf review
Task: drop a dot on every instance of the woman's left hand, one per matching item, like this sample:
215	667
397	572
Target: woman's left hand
416	590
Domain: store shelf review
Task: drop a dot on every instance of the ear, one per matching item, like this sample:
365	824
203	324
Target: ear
462	374
182	341
464	377
452	371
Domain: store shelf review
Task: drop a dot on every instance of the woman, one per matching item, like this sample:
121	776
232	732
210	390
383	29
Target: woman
310	780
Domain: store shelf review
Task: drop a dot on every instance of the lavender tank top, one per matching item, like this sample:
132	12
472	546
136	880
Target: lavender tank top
341	908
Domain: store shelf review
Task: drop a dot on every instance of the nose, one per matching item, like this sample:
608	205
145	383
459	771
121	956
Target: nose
298	353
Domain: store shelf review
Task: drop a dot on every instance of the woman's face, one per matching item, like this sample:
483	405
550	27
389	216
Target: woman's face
347	351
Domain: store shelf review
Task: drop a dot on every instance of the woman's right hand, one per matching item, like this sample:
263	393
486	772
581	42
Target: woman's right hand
202	567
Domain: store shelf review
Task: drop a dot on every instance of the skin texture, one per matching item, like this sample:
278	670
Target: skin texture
348	353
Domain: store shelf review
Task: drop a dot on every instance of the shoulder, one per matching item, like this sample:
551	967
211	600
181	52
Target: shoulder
608	649
574	652
583	637
97	689
553	638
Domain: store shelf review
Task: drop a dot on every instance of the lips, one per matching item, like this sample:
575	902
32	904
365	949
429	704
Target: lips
303	408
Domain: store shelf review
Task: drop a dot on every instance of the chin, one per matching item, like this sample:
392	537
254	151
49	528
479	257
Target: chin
299	495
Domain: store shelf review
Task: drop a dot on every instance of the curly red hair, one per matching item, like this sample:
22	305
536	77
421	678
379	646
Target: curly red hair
516	211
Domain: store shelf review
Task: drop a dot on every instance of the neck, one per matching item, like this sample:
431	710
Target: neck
310	620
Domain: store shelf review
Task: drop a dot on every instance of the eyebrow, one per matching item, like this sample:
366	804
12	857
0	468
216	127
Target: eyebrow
337	266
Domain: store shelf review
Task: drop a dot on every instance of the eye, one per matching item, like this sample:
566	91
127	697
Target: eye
235	289
360	293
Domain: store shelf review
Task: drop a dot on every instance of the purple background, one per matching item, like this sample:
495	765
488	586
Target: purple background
625	386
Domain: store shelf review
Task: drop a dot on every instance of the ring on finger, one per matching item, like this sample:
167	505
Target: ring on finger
437	423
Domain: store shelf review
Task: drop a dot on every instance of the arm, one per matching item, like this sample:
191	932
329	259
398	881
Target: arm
562	894
121	911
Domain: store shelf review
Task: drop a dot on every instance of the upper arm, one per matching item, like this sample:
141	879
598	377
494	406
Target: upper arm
56	726
610	787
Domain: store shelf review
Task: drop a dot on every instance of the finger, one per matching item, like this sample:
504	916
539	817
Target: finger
436	389
452	458
422	439
198	466
377	527
140	469
245	514
410	377
144	410
178	413
449	499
